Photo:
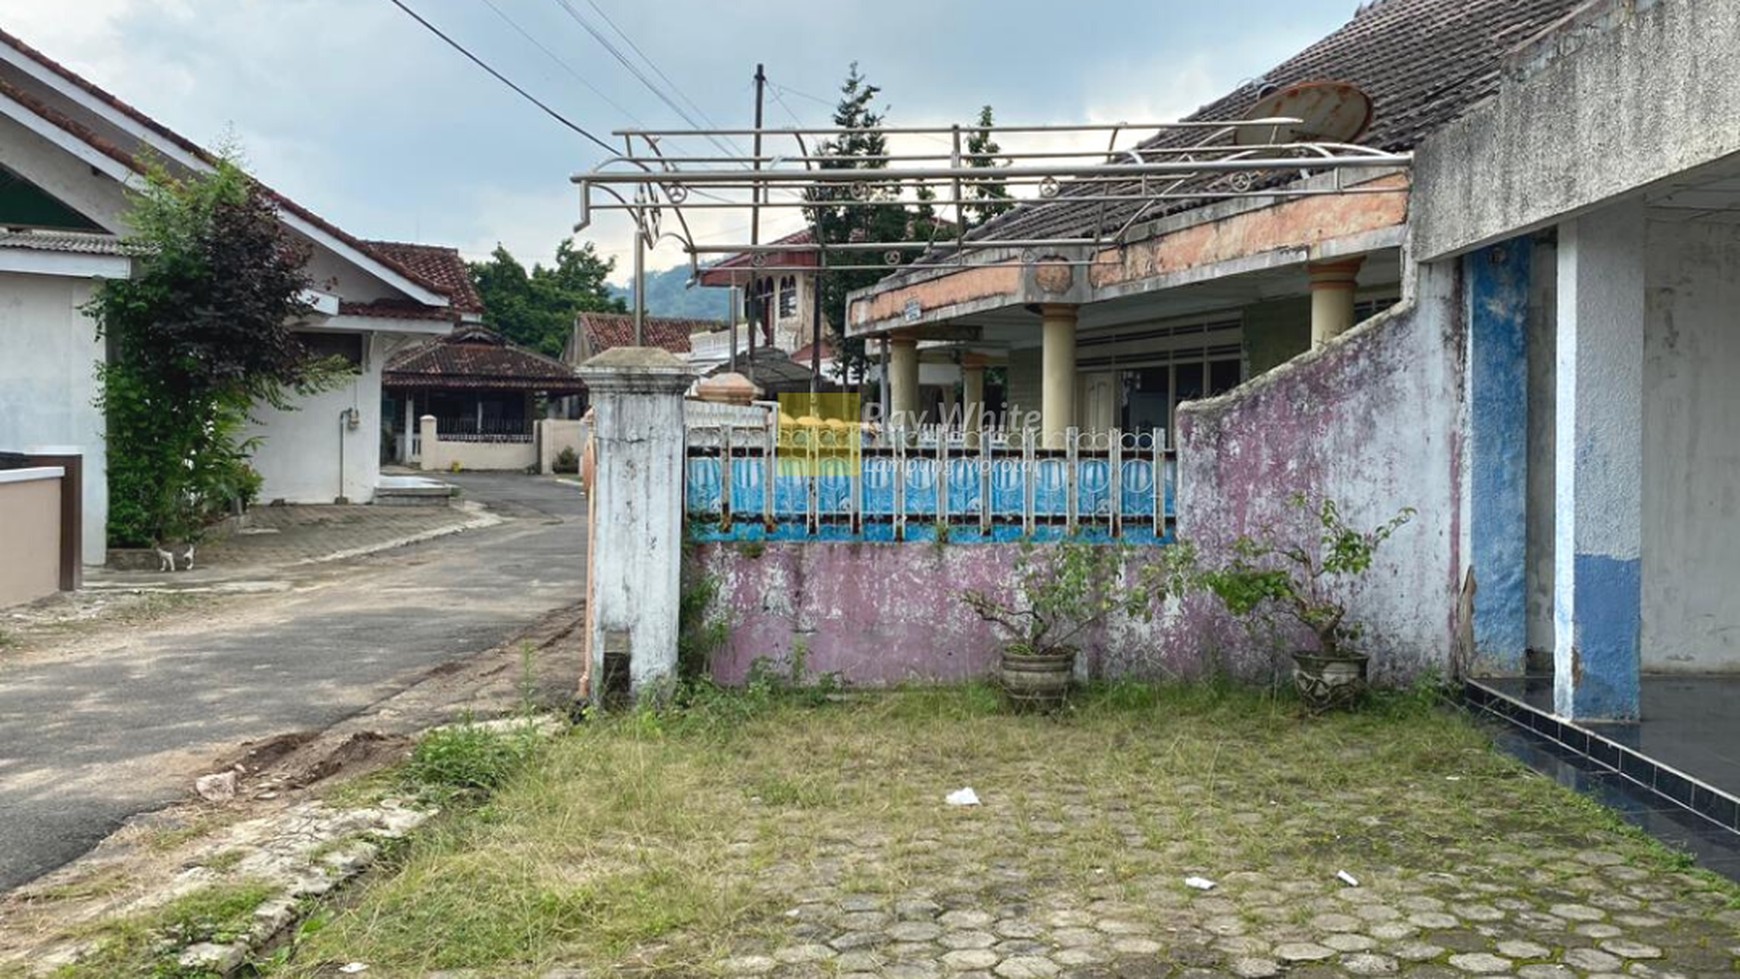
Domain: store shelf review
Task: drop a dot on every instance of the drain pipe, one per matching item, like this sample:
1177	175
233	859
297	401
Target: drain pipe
347	423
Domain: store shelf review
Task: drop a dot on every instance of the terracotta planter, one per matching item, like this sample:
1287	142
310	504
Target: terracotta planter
1037	681
1329	682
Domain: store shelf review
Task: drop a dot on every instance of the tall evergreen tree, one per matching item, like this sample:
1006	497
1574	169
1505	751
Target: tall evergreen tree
859	144
992	192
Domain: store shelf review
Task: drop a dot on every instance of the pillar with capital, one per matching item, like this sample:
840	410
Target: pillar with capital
1332	291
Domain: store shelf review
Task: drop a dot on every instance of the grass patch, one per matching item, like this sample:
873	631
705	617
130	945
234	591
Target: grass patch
662	842
150	944
467	760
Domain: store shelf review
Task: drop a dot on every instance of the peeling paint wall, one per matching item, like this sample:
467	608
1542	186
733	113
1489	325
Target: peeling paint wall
1373	421
883	614
1691	452
1542	344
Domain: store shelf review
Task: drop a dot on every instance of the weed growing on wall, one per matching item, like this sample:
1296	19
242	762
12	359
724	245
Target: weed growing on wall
199	334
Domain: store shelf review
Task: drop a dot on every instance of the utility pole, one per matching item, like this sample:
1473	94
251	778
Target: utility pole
756	312
639	288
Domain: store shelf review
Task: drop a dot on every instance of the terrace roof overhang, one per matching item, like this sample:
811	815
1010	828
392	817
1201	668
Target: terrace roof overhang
1217	256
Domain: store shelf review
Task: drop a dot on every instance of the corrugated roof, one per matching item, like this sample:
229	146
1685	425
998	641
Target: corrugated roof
477	358
1423	62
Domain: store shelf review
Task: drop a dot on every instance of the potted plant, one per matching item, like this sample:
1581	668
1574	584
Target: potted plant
1271	576
1060	592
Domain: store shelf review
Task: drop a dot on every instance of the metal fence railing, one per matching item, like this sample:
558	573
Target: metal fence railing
473	429
750	479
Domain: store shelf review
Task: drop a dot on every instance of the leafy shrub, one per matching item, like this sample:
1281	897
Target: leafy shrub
468	758
567	461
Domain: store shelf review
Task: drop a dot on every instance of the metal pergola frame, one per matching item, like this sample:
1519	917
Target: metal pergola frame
1216	160
1230	160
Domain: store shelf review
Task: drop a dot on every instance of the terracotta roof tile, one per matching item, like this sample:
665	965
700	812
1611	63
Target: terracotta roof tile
73	242
437	264
478	358
1423	62
605	331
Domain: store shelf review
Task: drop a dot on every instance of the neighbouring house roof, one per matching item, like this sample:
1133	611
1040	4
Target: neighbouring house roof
598	332
439	265
476	358
771	369
385	256
74	242
1423	63
718	274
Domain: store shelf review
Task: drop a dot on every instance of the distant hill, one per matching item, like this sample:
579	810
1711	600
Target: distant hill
667	294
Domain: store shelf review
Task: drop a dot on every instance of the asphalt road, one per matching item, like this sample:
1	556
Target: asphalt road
88	740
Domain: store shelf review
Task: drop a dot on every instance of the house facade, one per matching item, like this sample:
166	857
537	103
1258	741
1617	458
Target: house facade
1529	340
70	154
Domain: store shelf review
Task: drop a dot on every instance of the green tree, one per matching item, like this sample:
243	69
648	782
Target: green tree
991	192
840	213
536	308
197	335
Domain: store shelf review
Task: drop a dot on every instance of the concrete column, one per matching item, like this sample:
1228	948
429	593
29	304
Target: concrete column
1057	372
1498	439
1332	289
637	524
427	434
902	382
1598	455
410	424
973	397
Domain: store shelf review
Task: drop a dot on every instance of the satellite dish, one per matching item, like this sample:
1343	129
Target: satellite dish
1328	112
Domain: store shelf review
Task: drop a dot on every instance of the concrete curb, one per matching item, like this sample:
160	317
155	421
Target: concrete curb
481	518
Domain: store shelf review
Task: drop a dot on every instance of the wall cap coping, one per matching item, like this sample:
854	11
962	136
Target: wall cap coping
627	369
32	474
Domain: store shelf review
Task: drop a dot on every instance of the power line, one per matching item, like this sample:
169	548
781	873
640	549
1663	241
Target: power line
553	56
634	70
651	63
498	76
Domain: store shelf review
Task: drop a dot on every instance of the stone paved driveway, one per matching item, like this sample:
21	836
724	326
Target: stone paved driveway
815	841
1531	911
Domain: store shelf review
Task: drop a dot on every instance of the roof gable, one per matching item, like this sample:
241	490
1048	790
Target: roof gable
119	131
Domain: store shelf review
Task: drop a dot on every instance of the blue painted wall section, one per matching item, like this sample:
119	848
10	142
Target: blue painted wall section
1498	297
1608	638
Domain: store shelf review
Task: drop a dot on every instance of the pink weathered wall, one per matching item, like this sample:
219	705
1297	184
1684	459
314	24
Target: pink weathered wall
882	614
1372	420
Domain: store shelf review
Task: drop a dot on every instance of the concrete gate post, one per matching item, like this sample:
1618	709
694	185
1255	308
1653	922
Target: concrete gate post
637	521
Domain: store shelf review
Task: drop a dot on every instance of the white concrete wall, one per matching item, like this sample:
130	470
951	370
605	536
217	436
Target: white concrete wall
554	435
440	456
298	456
48	358
1691	446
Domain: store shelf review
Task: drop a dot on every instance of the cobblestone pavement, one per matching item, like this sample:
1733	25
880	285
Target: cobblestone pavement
1528	910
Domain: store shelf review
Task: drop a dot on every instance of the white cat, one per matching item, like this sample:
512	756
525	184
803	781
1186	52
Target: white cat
166	557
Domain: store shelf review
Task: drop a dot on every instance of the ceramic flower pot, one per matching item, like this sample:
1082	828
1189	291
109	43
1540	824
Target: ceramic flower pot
1037	681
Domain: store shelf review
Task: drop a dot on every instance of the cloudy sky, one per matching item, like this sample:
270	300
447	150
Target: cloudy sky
352	109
